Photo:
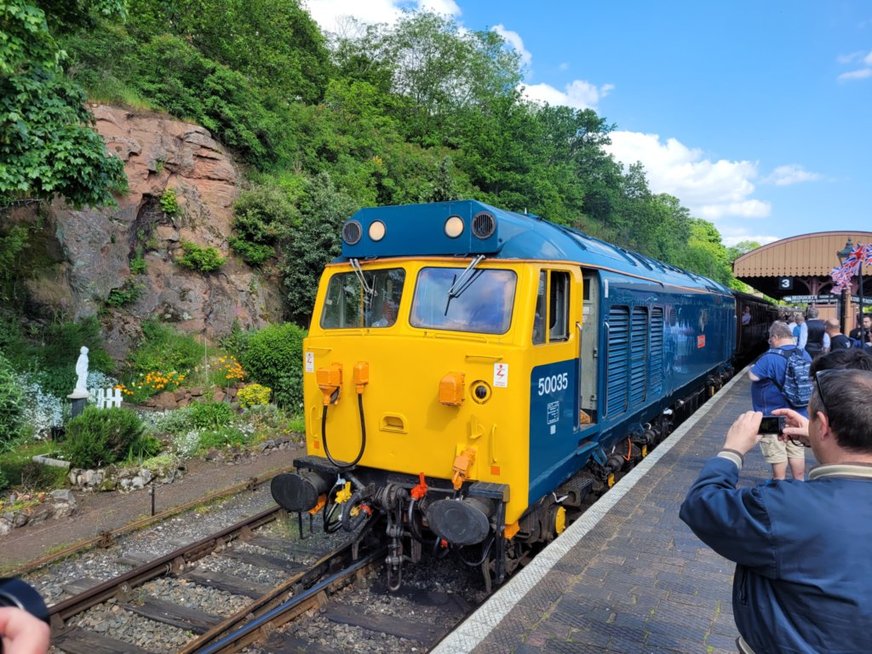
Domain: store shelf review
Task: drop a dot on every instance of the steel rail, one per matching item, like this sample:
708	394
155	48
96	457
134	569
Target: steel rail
107	537
62	611
236	640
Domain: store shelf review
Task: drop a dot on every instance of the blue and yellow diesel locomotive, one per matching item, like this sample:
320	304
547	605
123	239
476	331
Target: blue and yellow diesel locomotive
472	374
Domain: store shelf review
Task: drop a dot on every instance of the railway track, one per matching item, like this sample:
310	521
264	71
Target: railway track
321	584
259	586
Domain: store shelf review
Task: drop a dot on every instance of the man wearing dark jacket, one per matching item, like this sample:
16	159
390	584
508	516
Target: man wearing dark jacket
801	549
816	327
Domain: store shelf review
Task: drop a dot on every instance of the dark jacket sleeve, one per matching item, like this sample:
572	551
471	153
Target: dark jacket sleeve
733	522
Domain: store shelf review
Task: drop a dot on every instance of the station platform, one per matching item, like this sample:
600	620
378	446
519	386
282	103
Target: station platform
628	576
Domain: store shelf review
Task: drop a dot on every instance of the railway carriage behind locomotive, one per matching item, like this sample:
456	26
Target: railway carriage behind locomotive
471	375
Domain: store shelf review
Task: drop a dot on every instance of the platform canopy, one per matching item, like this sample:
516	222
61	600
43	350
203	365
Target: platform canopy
799	266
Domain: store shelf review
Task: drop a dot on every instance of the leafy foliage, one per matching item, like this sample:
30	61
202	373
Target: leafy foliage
173	74
262	216
127	293
48	146
275	43
253	395
12	244
50	352
11	404
416	111
98	437
273	357
210	415
315	243
226	436
169	203
163	348
203	259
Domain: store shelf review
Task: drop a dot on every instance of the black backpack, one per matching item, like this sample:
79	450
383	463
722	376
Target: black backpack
796	387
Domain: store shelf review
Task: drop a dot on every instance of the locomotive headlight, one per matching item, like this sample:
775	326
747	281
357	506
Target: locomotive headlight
481	392
454	227
377	230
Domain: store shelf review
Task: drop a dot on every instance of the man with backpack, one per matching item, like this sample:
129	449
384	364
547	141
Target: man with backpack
780	380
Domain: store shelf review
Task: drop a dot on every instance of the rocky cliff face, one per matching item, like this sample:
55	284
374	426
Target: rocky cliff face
89	253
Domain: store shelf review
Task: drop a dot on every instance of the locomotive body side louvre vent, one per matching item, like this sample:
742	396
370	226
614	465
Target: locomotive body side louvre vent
351	232
483	225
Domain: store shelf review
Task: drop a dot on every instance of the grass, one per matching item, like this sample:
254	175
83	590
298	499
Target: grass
19	468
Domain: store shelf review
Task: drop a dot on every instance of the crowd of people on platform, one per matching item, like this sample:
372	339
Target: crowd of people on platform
801	583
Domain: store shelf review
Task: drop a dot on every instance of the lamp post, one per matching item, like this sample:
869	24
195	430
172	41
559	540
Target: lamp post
843	254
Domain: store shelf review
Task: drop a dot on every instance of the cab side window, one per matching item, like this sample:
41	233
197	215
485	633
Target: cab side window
551	320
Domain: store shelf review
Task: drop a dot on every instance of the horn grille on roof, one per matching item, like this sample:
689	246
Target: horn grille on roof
484	225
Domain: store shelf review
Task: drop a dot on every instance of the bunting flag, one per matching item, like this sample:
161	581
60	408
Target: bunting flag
861	254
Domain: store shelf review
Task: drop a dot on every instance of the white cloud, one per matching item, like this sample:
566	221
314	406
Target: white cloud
713	190
862	73
332	15
577	94
442	7
791	174
854	58
514	39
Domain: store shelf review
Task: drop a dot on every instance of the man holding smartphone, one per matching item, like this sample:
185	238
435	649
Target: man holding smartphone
767	394
801	550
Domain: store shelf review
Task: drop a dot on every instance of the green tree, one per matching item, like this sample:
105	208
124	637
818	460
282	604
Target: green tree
48	145
437	69
740	248
274	44
261	217
322	212
705	253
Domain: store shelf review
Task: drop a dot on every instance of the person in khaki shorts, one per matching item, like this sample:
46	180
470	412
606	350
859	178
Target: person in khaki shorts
778	454
767	379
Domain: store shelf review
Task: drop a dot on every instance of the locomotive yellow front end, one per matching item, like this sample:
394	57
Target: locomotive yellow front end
417	384
408	370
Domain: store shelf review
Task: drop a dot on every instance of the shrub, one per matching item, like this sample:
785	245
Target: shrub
203	259
137	265
169	203
261	216
273	356
221	437
4	480
144	448
98	437
11	404
210	415
128	293
175	422
253	395
163	348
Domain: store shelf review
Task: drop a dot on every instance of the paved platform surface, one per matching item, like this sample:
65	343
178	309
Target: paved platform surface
627	577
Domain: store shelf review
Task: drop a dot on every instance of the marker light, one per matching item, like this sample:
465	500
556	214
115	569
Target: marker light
454	227
351	232
377	230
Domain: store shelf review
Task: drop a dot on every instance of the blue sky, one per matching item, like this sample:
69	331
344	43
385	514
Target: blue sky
756	115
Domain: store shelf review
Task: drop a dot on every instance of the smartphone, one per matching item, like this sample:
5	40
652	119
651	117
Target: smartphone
772	425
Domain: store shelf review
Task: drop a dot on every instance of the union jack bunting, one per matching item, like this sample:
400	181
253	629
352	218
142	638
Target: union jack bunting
851	266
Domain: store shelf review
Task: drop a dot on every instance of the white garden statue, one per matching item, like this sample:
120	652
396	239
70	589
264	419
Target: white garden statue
81	389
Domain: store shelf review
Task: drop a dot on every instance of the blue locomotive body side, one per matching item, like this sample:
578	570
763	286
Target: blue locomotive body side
659	331
657	343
